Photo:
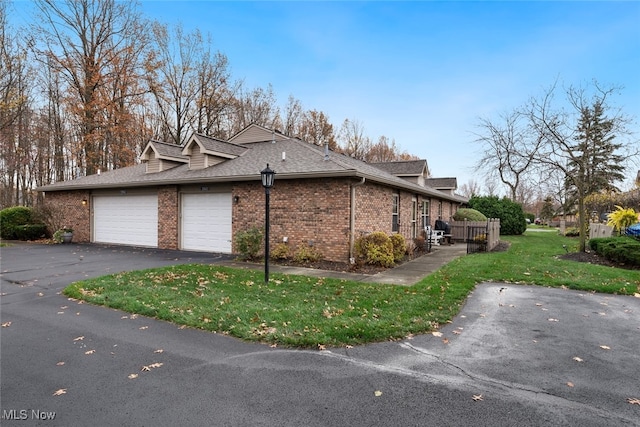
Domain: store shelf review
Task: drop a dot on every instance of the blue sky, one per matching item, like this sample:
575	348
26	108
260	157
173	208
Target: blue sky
420	72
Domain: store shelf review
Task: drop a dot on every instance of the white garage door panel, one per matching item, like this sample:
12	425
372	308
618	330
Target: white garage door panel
126	220
206	222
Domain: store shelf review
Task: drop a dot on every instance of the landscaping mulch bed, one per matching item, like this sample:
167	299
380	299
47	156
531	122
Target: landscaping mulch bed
594	258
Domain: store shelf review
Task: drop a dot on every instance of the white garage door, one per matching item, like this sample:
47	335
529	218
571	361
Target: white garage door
126	219
206	222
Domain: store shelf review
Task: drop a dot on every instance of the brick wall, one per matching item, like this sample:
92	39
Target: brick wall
312	211
67	208
168	217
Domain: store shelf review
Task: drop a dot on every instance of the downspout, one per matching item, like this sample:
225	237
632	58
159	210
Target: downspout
352	219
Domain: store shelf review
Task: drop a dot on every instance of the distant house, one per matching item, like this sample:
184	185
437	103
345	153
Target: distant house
200	195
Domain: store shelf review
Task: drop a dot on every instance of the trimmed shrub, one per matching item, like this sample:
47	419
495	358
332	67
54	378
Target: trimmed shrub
13	217
399	246
249	242
280	251
469	214
30	231
305	253
511	216
572	232
375	248
624	250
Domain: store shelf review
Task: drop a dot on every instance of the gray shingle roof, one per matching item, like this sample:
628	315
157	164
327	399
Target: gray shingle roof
290	158
442	183
167	150
403	168
214	145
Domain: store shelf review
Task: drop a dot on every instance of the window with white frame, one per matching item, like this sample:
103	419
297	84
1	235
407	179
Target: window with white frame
425	213
395	214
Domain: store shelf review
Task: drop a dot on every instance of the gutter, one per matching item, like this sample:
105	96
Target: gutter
352	219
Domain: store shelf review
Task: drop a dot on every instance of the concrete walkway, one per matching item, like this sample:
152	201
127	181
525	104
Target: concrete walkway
405	274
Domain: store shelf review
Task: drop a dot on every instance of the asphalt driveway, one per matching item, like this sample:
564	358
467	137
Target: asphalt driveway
515	355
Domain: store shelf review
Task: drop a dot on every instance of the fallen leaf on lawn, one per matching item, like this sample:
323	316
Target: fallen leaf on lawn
6	324
143	327
633	400
436	334
132	376
577	359
348	346
89	352
80	338
605	347
527	273
477	397
159	351
322	347
377	393
60	392
569	384
59	363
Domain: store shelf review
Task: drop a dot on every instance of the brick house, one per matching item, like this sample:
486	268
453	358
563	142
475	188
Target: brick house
198	196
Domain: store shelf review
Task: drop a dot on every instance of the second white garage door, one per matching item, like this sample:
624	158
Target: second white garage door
206	222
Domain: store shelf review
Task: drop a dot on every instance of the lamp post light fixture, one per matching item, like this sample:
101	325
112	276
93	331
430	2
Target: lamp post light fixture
267	176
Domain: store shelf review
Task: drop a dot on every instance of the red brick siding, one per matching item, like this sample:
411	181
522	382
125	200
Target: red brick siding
314	210
67	205
168	217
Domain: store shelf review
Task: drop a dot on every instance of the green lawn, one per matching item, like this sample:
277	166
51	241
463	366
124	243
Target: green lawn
309	312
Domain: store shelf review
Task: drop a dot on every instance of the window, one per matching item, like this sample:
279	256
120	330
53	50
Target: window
439	209
414	217
425	213
395	214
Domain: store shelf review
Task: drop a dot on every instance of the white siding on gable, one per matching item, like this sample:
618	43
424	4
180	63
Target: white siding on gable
126	219
206	222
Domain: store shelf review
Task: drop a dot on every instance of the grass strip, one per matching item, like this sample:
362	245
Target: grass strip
301	311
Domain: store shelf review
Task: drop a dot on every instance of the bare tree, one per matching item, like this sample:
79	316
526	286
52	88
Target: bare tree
509	149
353	141
316	129
470	188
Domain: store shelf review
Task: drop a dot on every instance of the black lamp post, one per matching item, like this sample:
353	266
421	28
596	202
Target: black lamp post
268	176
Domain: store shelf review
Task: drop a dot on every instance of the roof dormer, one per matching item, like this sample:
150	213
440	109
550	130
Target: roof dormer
203	151
161	156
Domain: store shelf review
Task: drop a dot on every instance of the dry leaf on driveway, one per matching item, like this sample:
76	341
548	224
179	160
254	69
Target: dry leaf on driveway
60	364
436	333
569	384
633	400
477	397
577	359
89	352
60	392
377	393
142	328
605	347
80	338
132	376
6	324
159	350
